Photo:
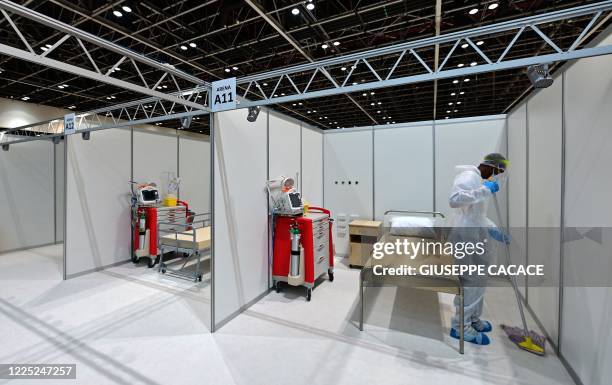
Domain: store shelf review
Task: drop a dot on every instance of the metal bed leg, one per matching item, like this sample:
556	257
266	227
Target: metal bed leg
361	299
462	317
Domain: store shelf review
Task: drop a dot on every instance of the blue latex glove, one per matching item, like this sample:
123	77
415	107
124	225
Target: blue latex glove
499	236
492	186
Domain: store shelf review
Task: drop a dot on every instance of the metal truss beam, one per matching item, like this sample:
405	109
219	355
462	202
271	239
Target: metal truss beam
29	54
144	111
252	83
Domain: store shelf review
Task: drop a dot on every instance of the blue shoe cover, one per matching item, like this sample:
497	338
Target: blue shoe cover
482	326
472	336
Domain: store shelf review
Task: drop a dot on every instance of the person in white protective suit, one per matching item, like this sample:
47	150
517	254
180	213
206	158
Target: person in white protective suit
472	188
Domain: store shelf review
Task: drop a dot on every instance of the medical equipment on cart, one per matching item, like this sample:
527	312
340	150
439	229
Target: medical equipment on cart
284	198
303	249
146	214
190	237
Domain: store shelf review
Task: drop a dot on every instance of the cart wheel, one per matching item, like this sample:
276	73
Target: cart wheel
135	259
277	287
351	266
308	294
330	274
200	278
151	263
163	271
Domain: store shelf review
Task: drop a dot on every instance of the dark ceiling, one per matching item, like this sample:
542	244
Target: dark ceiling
230	34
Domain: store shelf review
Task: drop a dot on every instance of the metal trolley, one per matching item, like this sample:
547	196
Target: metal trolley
190	239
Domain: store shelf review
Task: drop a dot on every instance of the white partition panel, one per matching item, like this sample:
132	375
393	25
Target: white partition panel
348	180
586	337
284	147
403	161
517	186
241	221
194	170
462	142
155	156
26	196
98	201
60	176
544	214
312	166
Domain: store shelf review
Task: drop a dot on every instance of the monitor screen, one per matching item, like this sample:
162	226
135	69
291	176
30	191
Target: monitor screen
149	195
295	199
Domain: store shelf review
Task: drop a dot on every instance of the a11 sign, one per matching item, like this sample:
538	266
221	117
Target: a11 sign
224	95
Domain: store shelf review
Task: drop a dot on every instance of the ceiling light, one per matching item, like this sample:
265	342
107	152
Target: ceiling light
108	98
192	45
455	81
453	94
336	43
458	102
265	84
354	83
314	110
450	104
300	103
164	86
308	112
364	94
48	45
294	104
117	13
184	47
446	117
310	6
448	111
126	9
378	112
493	6
464	45
113	97
472	64
282	94
372	93
455	110
460	65
379	103
392	122
335	122
235	68
44	48
324	46
117	69
479	42
384	117
473	11
461	93
227	70
60	87
466	79
372	104
25	98
343	69
72	107
159	87
295	11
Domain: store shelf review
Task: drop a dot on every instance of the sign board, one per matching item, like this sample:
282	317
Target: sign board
69	127
224	95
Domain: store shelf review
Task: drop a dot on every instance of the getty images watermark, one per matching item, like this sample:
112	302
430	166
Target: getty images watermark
470	259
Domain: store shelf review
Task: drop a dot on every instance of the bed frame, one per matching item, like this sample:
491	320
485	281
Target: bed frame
451	285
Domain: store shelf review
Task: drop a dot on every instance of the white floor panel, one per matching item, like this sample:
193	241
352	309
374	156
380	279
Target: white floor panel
131	325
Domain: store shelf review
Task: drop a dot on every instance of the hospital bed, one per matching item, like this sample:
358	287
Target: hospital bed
440	284
190	238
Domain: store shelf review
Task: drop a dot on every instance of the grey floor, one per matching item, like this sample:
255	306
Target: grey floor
128	325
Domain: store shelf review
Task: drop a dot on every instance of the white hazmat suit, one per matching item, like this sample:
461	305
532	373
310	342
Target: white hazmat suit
469	223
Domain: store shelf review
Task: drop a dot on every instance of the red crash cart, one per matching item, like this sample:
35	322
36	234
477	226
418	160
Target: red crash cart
317	250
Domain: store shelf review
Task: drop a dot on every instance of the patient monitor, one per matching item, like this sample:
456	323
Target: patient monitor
284	199
148	195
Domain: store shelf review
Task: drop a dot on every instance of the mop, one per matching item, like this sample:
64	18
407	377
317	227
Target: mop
523	338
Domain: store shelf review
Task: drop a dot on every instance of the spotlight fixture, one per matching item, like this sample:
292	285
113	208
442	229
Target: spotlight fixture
126	9
44	48
448	111
336	43
265	84
235	68
372	93
460	65
193	45
227	70
295	11
364	94
117	13
455	81
473	11
48	45
184	47
464	45
539	76
472	64
253	113
450	104
324	46
310	6
343	69
492	6
461	93
466	80
453	94
479	42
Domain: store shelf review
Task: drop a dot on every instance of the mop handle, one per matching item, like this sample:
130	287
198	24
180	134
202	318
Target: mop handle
512	277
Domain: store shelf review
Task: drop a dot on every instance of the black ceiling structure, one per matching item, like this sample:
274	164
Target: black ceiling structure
214	39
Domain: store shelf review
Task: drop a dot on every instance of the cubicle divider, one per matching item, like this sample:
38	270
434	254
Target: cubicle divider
411	166
560	138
